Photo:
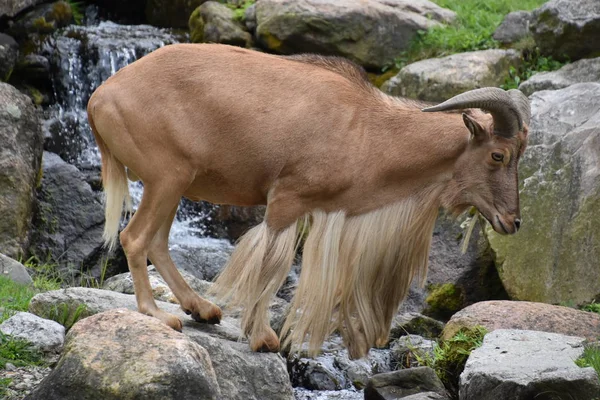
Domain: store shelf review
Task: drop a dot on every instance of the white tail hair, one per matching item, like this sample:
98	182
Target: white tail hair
356	271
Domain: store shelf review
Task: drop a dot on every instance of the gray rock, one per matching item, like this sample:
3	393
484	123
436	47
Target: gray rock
371	32
554	258
581	71
214	22
42	19
519	365
303	394
69	220
415	323
438	79
204	260
408	350
9	51
20	159
333	370
45	335
120	354
567	29
11	8
14	270
250	18
402	383
513	28
426	396
34	68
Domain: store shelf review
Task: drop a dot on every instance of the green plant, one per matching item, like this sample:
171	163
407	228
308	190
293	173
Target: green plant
590	357
592	307
4	383
44	274
533	62
449	356
18	352
68	314
444	300
240	10
14	297
77	10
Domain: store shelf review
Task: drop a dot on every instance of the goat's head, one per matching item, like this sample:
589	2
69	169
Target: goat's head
486	174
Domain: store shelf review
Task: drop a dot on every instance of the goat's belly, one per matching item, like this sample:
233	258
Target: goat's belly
219	191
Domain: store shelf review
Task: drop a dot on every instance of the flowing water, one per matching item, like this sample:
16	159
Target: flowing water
81	58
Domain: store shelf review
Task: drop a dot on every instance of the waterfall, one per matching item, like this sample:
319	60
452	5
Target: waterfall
81	58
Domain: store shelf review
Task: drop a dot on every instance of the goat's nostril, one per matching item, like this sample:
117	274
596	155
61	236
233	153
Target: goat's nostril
518	223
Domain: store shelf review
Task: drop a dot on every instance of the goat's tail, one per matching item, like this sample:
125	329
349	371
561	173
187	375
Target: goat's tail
116	189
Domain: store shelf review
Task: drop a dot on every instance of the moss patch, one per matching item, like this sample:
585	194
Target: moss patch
444	300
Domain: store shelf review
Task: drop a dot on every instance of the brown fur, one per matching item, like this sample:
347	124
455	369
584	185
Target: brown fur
311	138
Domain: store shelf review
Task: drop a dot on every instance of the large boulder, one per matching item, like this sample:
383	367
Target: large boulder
554	257
523	365
11	8
513	28
14	270
214	22
567	29
438	79
20	159
402	383
587	70
9	51
241	374
171	13
69	221
43	334
526	316
122	354
370	32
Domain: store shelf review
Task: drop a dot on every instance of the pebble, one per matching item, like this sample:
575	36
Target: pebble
23	380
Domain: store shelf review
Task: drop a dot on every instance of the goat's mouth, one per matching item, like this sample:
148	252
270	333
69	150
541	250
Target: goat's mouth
500	226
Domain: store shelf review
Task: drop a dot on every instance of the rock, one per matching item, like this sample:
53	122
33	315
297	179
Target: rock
43	334
230	356
408	350
232	221
14	270
13	7
121	354
214	22
426	396
171	13
204	260
20	159
303	394
9	51
438	79
43	19
333	370
567	29
513	28
415	323
34	68
554	257
69	221
527	316
520	365
402	383
587	70
371	32
250	18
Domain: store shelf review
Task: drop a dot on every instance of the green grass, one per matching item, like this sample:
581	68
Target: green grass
13	297
450	356
18	352
590	357
67	315
592	307
4	382
473	29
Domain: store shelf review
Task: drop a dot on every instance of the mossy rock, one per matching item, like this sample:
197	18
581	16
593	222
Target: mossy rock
444	300
216	23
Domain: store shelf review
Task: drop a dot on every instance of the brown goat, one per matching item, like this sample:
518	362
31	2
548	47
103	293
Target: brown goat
312	139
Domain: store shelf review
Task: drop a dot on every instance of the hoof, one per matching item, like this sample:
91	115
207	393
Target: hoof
209	315
168	319
266	342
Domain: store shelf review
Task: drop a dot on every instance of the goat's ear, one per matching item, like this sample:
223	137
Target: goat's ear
477	131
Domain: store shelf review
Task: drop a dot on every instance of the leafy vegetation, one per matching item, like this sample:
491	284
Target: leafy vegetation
240	10
68	314
450	356
590	357
592	307
77	8
533	62
18	352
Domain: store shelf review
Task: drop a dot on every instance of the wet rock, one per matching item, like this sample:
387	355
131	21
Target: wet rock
520	365
20	159
43	334
14	270
204	259
402	383
9	51
43	19
214	22
438	79
567	29
140	354
526	316
581	71
34	68
372	32
554	257
12	8
513	28
417	324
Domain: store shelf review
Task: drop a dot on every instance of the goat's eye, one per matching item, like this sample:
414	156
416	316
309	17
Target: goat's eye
498	157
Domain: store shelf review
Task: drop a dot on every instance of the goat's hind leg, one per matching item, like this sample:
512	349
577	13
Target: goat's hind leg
200	309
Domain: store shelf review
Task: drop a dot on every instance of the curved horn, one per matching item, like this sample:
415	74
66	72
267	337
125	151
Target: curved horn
510	110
